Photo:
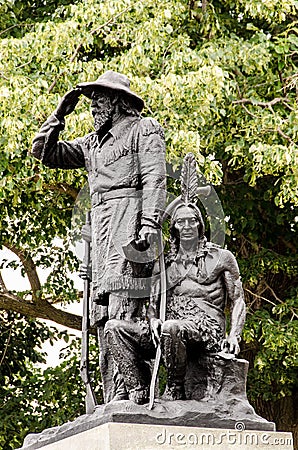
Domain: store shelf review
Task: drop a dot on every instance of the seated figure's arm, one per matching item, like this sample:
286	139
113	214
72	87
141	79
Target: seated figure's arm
237	311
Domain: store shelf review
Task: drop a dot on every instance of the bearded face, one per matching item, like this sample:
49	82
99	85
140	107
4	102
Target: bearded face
102	109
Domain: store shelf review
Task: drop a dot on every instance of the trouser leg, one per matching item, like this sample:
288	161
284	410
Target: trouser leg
118	306
175	359
123	338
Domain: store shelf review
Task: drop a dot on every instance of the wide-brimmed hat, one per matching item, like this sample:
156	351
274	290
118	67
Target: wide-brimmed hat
114	81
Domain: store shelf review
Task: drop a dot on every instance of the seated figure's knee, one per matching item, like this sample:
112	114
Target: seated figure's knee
170	327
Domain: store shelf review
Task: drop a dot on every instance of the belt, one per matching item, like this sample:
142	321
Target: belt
98	198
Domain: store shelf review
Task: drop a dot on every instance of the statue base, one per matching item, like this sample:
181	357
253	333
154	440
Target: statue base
124	436
216	400
187	413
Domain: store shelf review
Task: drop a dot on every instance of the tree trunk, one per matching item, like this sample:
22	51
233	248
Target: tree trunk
284	412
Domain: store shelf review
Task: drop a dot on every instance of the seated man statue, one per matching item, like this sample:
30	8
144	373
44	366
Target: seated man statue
202	280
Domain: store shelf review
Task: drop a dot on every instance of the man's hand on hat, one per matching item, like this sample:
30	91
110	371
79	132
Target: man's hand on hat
68	103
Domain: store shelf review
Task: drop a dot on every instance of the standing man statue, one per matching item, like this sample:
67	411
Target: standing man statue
125	161
202	281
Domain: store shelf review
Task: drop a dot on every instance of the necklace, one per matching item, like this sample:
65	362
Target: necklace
187	257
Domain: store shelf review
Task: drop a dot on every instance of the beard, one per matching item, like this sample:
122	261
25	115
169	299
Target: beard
103	119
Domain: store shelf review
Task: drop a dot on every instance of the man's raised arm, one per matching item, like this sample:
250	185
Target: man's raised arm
65	155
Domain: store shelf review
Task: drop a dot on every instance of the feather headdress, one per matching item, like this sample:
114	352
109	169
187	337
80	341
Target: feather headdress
189	180
190	190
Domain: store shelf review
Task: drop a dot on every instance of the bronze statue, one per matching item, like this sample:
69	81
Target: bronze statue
202	279
125	161
184	318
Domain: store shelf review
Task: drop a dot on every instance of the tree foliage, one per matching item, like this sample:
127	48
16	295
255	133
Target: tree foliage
222	79
33	398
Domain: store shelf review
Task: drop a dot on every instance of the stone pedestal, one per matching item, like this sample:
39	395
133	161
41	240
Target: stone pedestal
216	400
138	422
125	436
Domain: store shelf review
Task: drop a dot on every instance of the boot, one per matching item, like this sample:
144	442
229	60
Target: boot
174	392
139	395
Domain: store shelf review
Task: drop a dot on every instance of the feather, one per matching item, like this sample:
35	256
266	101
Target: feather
189	180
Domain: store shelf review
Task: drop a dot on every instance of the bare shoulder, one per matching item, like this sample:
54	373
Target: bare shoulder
230	263
227	260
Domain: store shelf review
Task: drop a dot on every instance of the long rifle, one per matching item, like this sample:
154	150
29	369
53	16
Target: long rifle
90	400
162	316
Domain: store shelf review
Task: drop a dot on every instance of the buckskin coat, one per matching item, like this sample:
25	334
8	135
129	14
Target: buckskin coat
126	174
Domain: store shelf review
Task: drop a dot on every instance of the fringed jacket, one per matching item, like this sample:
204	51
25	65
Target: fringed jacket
126	174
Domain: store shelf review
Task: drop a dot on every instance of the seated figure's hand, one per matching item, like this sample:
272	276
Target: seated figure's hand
155	326
230	345
85	272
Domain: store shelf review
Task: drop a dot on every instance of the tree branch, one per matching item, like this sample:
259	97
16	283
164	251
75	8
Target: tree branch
39	307
16	25
265	104
204	5
269	301
285	136
243	106
272	292
290	245
259	296
11	302
63	188
2	283
6	345
248	112
3	76
29	268
269	105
